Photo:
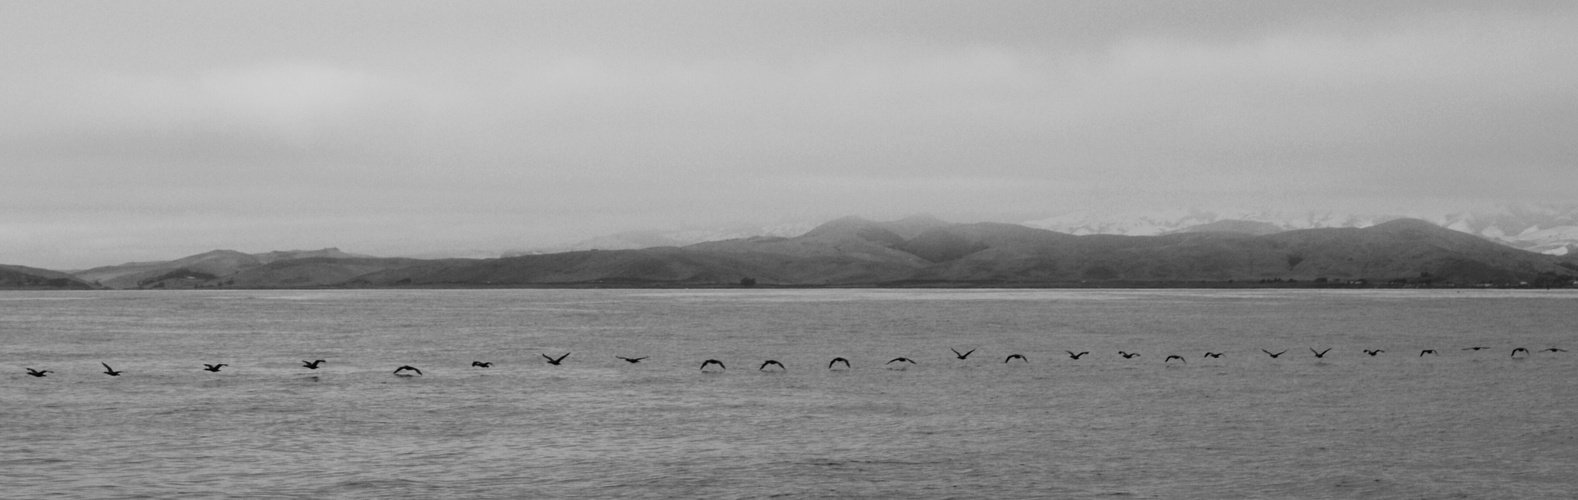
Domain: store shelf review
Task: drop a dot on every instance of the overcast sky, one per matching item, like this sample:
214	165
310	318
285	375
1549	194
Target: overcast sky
154	130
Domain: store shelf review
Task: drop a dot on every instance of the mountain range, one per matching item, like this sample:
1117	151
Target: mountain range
915	251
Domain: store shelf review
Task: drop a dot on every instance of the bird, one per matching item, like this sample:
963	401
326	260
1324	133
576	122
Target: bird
1553	349
311	365
1210	354
482	364
1475	348
1273	355
900	358
1012	356
213	368
1177	357
1127	355
961	356
407	367
1373	352
1515	351
713	362
1428	351
37	373
1320	354
837	360
109	371
772	362
632	360
1076	356
555	362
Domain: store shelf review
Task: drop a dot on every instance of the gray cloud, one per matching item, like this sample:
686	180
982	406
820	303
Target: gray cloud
151	130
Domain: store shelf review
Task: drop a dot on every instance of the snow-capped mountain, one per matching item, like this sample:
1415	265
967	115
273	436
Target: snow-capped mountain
1549	229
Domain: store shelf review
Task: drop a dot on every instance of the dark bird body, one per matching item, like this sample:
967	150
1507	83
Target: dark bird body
1320	354
1012	356
1374	351
553	361
407	368
37	373
1515	351
213	368
900	358
1127	355
482	364
961	356
1553	349
311	365
1076	356
1428	351
713	362
1273	354
1177	357
632	360
772	362
1475	348
1210	354
109	371
836	361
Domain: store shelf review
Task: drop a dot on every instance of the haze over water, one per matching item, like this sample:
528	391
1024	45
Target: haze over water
1464	424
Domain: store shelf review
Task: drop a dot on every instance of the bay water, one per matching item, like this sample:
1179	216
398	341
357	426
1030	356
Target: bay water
1456	424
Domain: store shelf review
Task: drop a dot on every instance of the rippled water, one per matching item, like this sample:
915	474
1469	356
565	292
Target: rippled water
1465	424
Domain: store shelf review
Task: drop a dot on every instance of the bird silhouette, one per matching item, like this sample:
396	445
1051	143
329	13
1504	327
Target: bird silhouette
482	364
1373	352
1127	355
1428	351
555	362
1210	354
1076	356
632	360
713	362
1320	354
961	356
1475	348
772	362
109	371
311	365
900	358
1515	351
1553	349
1012	356
1177	357
405	368
37	373
213	368
837	360
1273	355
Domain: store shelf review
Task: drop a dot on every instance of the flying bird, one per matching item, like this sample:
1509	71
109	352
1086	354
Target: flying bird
37	373
1177	357
1428	351
900	358
1127	355
1273	355
1320	354
482	364
713	362
405	368
1553	349
1012	356
961	356
1076	356
109	371
555	362
772	362
1475	348
1515	351
311	365
632	360
837	360
213	368
1210	354
1374	352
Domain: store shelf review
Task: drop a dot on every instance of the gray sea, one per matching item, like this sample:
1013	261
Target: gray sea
1460	424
